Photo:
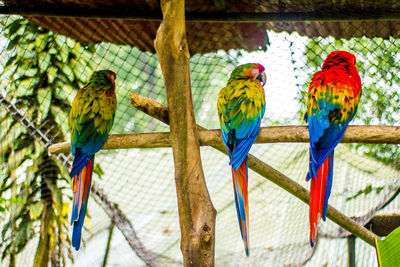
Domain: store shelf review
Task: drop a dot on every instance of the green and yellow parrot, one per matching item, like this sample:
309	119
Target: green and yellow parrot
241	106
91	119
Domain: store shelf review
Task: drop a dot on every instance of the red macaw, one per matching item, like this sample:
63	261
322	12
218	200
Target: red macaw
332	102
91	119
241	106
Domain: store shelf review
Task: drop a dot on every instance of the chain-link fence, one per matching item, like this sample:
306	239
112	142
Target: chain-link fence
134	188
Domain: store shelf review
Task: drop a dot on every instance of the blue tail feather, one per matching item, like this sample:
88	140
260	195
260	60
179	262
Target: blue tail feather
241	150
328	186
80	161
77	230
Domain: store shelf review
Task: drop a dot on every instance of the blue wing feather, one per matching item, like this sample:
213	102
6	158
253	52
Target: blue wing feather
244	137
83	149
324	136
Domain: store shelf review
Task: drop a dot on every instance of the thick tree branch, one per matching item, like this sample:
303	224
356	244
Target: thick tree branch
196	212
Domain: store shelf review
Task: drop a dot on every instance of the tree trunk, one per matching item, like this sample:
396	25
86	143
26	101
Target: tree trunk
196	212
43	250
48	172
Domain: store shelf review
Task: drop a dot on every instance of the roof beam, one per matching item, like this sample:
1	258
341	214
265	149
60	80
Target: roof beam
141	15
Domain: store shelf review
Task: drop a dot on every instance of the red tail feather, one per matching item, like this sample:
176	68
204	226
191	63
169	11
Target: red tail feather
81	188
239	178
317	197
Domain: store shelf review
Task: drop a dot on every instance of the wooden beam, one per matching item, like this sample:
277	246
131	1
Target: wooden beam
272	134
277	178
351	250
134	13
196	212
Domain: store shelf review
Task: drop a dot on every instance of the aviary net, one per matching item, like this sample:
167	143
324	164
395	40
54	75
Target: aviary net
134	190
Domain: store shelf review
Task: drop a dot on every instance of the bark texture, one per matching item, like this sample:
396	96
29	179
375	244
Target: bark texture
196	212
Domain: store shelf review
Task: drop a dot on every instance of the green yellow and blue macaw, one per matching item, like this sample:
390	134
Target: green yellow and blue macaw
332	102
91	119
241	106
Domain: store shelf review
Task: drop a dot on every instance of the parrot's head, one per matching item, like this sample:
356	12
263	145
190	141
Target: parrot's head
249	71
102	78
339	57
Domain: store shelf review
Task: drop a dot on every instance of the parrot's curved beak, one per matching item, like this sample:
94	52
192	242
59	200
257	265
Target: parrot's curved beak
112	76
262	77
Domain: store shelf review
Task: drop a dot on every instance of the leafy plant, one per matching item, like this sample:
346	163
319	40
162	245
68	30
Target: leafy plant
40	76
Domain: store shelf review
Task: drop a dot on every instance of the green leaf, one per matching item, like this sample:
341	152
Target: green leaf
44	61
51	73
16	200
35	210
14	27
44	100
31	72
91	48
26	86
388	249
40	42
13	42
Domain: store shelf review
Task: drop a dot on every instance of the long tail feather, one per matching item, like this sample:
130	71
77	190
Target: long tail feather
239	178
319	195
81	188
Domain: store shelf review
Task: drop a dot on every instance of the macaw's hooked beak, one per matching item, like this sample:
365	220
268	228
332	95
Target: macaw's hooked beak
112	76
262	77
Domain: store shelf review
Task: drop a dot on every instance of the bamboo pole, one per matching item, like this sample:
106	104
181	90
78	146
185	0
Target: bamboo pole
196	212
273	134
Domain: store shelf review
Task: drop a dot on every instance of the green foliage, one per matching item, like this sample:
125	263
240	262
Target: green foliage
367	190
41	74
377	63
388	249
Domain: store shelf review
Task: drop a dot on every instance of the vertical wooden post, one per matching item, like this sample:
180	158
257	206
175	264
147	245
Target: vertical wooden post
351	242
196	212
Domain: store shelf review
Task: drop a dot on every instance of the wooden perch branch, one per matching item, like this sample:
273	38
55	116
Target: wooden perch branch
276	177
196	212
123	141
272	134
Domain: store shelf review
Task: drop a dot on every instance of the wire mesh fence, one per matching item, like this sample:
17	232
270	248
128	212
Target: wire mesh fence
134	188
